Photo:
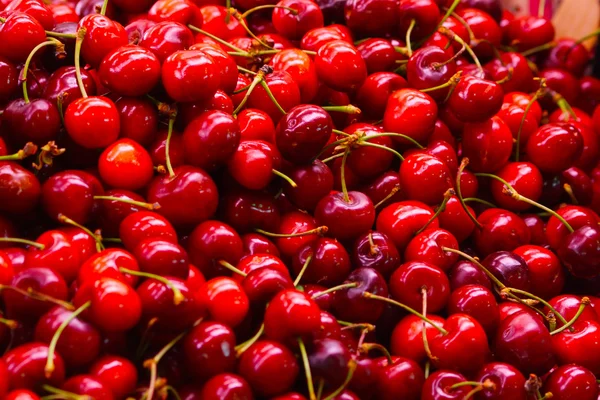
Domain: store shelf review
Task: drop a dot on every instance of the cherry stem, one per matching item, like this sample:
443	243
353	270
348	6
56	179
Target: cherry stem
478	264
510	191
343	176
141	204
285	177
562	103
393	134
63	394
233	269
450	83
381	147
246	71
541	8
569	190
475	199
373	249
413	22
449	12
392	193
372	296
424	328
272	97
177	295
49	368
10	323
347	109
78	42
538	299
267	7
23	77
546	396
242	347
309	379
537	49
66	220
438	65
216	39
258	78
487	384
463	384
534	98
367	347
235	13
59	35
588	36
351	368
453	36
335	288
333	157
447	196
303	270
152	363
584	302
172	118
39	296
461	168
28	150
464	23
23	241
316	231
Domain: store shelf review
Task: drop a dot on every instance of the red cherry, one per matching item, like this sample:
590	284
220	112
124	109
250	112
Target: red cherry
477	301
329	262
412	113
439	385
226	301
340	66
102	35
187	69
291	314
58	253
415	279
308	16
144	225
376	250
488	145
455	219
117	373
346	216
572	381
425	178
527	32
162	257
555	147
36	120
400	221
212	341
513	72
183	12
475	100
227	387
501	230
407	337
507	381
579	346
350	304
88	385
26	364
130	71
167	37
19	189
576	216
211	242
379	54
427	246
485	30
20	33
125	165
92	122
545	271
215	21
256	125
373	94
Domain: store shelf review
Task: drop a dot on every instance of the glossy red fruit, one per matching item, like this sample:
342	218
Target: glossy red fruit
228	387
402	379
130	71
300	313
226	301
412	113
346	218
71	193
142	225
400	221
545	271
92	122
555	147
20	34
570	382
213	341
102	35
507	382
501	230
488	145
294	25
579	346
475	100
25	365
425	178
125	165
340	66
88	385
526	180
19	189
439	384
118	373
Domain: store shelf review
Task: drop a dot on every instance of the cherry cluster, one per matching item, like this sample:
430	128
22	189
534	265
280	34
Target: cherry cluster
322	200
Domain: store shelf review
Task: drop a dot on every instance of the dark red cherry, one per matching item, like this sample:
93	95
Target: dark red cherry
350	304
507	382
19	189
162	257
379	54
373	94
488	145
509	268
9	78
165	38
314	181
464	273
428	67
376	250
88	385
262	284
501	230
571	382
346	217
213	341
36	120
247	210
329	360
26	364
299	312
579	252
227	387
329	262
211	242
63	84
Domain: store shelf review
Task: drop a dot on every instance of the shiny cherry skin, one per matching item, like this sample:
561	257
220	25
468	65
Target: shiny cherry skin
300	312
226	301
579	253
117	373
576	216
512	68
464	273
303	132
165	38
527	32
21	33
508	382
340	66
513	343
255	243
351	305
455	219
130	71
487	145
475	100
92	122
37	120
536	229
484	28
25	365
412	278
19	188
58	254
438	385
102	35
188	69
567	305
263	361
162	257
294	25
402	379
509	268
139	120
256	125
329	264
428	67
228	387
187	198
425	178
570	382
142	225
40	279
346	219
314	181
545	270
400	221
502	230
215	21
407	337
411	112
262	284
285	90
125	165
477	301
579	346
63	83
368	162
22	394
88	385
555	147
247	210
253	163
115	306
371	18
526	180
211	340
9	74
379	54
372	95
375	250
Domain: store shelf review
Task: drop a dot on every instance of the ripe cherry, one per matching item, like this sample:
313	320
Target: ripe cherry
372	96
544	268
400	221
26	364
487	145
439	385
187	69
570	381
226	386
411	112
350	304
376	250
226	301
501	230
506	381
555	147
300	312
19	188
414	280
92	122
425	178
475	100
165	38
340	66
213	341
118	373
125	165
347	215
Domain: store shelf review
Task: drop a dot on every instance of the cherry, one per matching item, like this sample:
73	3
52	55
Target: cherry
284	89
501	231
412	113
25	365
255	163
475	100
350	304
42	280
329	262
162	257
578	252
185	69
372	96
182	12
247	210
142	225
63	84
340	66
226	386
511	71
407	337
21	394
347	215
186	198
19	189
315	38
524	342
575	216
525	178
506	382
555	147
425	178
299	311
414	280
375	250
114	306
465	272
527	32
263	361
477	301
262	284
37	120
314	181
570	382
58	253
92	122
215	21
165	38
255	243
379	54
20	33
117	373
568	307
428	67
101	36
512	115
256	125
509	268
9	75
211	242
578	346
440	385
293	25
139	119
88	385
488	145
536	228
400	378
213	341
303	132
544	270
226	301
400	221
125	165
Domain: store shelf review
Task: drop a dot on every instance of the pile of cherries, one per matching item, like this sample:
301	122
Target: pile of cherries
340	199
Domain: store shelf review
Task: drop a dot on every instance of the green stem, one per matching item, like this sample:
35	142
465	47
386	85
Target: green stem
216	39
461	168
335	288
177	295
141	204
408	33
233	269
392	193
242	347
588	36
397	135
541	301
78	42
381	147
309	380
447	196
317	231
522	123
104	6
347	109
343	176
49	42
351	369
484	202
257	79
168	145
272	97
66	220
584	302
23	241
303	270
478	264
285	177
269	6
545	46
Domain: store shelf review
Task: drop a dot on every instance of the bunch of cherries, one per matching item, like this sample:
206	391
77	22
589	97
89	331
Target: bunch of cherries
340	199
